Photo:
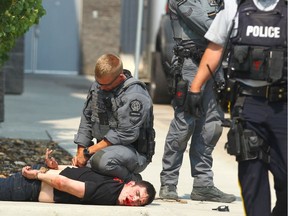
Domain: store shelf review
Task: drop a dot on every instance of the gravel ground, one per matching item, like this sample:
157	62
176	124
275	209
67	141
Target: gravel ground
16	153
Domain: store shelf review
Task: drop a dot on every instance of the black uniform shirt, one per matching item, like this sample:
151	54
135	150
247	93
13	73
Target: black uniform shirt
99	189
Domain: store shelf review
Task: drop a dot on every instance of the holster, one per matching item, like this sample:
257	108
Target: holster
245	144
175	74
181	92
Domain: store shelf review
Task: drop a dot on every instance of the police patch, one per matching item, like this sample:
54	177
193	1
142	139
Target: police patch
136	106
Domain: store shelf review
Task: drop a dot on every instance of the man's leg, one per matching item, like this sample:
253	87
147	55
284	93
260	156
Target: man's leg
269	121
253	178
279	171
6	188
18	188
176	142
207	133
119	161
278	165
180	131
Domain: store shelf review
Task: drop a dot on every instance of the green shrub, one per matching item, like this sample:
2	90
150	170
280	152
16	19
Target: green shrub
16	17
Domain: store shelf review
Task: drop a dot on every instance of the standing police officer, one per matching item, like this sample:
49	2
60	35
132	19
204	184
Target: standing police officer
257	89
118	115
190	20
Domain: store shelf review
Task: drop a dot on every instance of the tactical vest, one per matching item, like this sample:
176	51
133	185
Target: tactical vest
104	113
259	49
186	29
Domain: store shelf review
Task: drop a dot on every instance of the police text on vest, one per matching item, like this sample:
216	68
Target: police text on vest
263	31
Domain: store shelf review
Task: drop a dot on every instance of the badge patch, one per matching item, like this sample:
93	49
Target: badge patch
136	106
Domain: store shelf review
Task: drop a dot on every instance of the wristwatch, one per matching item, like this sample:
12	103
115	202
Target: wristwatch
86	153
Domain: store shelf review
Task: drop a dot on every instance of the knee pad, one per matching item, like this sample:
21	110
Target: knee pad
213	133
95	161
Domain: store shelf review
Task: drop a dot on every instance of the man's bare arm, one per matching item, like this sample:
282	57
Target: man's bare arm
56	181
211	57
63	183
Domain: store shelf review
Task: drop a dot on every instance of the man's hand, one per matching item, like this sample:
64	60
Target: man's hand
194	104
79	160
50	161
29	173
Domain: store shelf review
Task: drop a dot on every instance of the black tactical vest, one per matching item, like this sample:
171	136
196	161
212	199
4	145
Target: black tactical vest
259	49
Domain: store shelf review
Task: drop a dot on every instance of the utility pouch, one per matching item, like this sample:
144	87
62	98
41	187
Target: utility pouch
141	144
145	144
169	77
249	148
174	74
151	144
258	63
245	144
254	142
181	92
248	63
256	147
196	54
234	136
276	65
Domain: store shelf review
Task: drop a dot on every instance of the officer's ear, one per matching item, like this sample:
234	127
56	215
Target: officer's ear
122	76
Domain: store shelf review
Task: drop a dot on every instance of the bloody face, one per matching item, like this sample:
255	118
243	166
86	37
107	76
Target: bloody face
133	195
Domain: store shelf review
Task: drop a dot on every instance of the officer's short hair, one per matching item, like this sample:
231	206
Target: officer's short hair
108	64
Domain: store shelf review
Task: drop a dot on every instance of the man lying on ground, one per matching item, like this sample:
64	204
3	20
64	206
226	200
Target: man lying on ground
68	184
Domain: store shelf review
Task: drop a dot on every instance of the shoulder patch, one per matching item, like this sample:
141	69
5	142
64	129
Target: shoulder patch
136	105
135	114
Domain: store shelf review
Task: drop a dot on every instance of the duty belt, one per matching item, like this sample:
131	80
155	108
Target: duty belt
272	93
191	52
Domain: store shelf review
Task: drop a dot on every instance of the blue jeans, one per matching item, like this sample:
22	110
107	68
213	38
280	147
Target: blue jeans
18	188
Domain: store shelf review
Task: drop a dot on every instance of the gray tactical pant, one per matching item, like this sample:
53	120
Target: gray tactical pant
205	133
119	161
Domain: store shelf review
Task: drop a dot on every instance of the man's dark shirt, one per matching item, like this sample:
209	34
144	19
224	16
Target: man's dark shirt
99	189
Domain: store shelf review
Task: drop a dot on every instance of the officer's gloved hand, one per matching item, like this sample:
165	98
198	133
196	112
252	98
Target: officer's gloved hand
194	104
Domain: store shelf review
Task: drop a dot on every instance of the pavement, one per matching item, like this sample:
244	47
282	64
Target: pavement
50	108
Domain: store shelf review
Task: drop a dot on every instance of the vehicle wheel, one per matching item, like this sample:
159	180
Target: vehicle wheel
158	83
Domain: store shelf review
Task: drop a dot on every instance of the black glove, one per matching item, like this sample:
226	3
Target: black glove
194	104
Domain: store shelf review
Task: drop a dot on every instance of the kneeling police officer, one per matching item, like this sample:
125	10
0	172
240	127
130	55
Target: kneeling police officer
118	116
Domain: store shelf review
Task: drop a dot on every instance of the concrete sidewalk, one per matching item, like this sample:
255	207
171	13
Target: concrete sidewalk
50	108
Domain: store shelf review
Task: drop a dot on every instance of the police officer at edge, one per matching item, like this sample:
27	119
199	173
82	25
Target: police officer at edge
118	117
257	91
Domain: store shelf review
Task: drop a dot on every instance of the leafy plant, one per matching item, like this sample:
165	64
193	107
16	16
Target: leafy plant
16	17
